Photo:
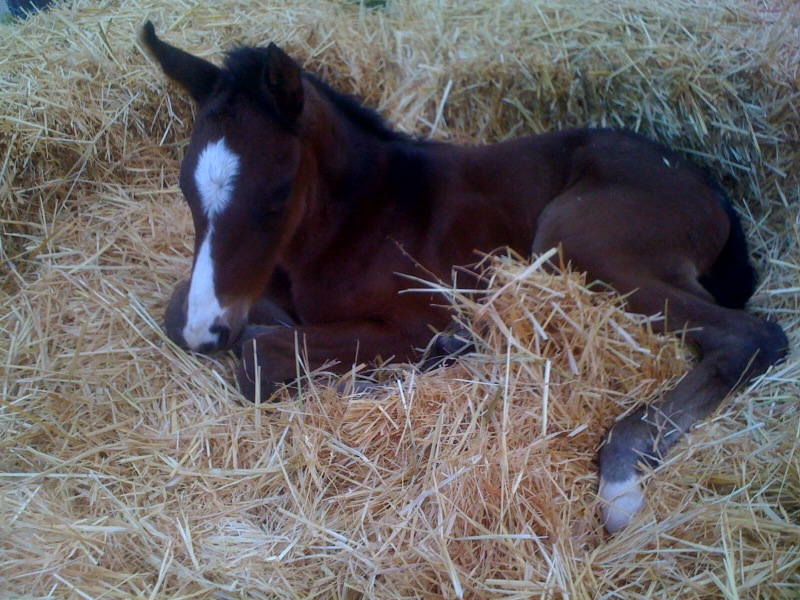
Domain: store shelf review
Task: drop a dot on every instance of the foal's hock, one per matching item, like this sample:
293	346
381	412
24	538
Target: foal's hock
306	206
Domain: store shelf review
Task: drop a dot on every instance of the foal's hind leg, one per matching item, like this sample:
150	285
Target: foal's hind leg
652	243
734	347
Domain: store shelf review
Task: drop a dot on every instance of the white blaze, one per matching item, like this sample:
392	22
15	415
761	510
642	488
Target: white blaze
214	175
204	308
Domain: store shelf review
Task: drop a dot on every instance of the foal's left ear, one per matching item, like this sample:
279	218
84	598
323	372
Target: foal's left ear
282	79
196	75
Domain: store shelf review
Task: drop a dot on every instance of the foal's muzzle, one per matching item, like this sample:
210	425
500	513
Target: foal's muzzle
222	333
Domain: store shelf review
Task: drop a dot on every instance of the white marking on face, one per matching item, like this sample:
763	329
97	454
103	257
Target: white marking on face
204	308
621	501
214	175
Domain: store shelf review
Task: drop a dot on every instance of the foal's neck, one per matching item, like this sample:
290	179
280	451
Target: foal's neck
352	148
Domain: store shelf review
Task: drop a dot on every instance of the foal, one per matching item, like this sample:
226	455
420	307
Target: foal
306	207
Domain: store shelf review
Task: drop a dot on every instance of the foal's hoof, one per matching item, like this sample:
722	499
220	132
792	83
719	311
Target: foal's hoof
175	315
252	382
455	342
262	371
447	346
621	501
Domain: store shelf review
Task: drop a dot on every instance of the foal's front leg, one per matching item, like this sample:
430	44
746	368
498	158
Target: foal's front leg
268	354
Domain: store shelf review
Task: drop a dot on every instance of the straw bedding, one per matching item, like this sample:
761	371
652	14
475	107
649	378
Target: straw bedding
129	468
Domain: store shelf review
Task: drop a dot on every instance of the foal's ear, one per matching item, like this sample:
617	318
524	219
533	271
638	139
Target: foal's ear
196	75
282	79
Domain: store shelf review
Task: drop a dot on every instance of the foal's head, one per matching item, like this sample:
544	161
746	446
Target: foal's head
237	177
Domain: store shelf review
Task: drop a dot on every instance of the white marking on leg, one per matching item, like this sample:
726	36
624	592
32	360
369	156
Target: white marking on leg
214	175
204	308
621	501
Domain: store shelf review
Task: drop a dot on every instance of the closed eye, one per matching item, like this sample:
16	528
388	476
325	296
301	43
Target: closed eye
274	204
281	193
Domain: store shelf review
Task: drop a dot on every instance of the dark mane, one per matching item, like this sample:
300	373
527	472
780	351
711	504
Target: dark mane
366	118
243	68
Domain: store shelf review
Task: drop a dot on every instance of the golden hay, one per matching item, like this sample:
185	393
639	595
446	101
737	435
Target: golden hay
129	468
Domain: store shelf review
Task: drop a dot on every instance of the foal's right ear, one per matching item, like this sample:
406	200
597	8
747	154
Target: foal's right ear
282	79
196	75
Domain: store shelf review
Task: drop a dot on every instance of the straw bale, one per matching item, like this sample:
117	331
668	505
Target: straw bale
129	468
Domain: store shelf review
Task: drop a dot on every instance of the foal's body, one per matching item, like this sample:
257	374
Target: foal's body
308	210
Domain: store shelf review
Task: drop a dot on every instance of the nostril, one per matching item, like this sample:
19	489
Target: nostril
223	334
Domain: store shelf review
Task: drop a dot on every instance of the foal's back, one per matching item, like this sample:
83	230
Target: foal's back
537	192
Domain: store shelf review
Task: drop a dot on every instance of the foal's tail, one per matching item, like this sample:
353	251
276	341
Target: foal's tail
732	278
